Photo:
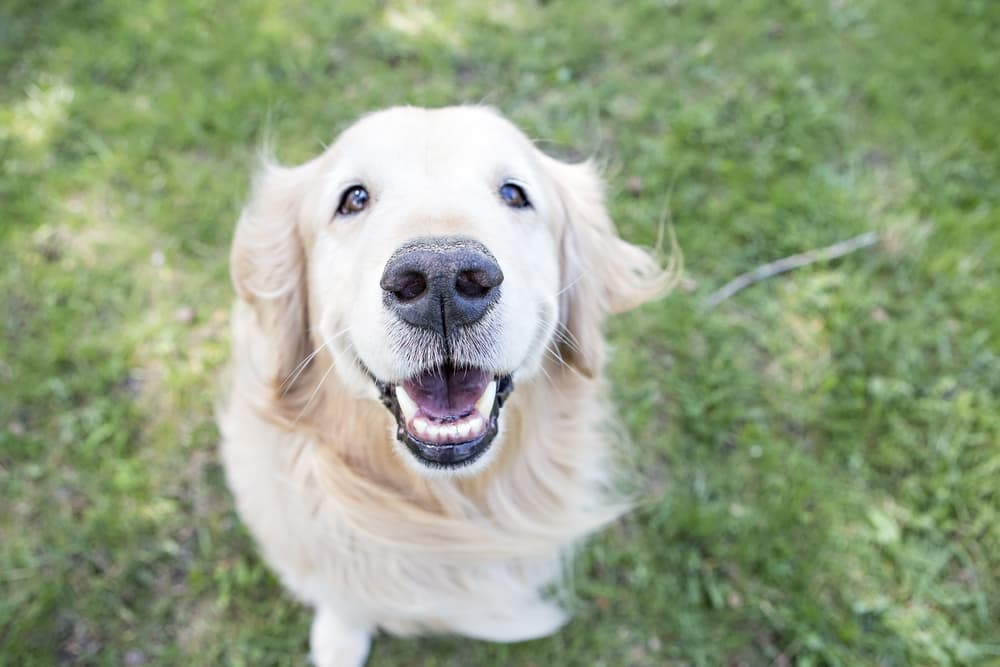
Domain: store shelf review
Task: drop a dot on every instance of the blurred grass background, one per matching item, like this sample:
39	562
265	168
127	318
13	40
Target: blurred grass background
820	453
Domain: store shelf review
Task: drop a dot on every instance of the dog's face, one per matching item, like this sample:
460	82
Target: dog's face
445	261
435	271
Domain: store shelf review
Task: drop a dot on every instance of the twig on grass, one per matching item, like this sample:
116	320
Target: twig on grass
789	263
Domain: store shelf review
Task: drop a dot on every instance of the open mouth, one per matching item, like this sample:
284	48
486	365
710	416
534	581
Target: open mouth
447	416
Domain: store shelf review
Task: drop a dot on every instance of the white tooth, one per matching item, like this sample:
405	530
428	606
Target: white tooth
463	429
476	424
420	425
433	431
453	432
485	402
406	404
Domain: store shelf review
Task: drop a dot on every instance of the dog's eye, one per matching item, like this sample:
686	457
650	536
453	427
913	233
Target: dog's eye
513	195
354	200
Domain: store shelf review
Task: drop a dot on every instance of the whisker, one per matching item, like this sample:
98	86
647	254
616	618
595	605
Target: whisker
548	378
289	380
571	284
563	336
294	374
566	337
338	334
312	396
556	356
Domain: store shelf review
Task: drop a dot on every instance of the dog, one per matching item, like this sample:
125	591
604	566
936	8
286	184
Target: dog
415	428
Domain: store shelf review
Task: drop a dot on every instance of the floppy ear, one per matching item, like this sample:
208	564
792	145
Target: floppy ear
600	273
268	266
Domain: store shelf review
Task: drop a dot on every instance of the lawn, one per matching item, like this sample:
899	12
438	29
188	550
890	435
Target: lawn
818	456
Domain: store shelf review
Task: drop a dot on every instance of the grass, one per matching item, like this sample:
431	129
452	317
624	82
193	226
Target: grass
820	454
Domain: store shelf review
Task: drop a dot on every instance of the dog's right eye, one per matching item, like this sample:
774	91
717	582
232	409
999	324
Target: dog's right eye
354	200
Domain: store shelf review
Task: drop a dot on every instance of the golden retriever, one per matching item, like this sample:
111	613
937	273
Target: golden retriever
414	429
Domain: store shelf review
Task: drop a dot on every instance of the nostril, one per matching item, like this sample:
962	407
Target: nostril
472	284
477	281
407	285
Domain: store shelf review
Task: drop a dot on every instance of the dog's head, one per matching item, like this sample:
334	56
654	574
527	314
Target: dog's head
435	260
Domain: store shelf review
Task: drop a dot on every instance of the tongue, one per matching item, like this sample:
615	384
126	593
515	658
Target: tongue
446	392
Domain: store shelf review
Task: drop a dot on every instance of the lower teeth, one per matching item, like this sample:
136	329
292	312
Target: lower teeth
470	427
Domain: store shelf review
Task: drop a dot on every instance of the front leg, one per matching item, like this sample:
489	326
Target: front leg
335	642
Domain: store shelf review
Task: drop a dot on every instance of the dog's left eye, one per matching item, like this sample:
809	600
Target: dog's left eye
513	195
354	200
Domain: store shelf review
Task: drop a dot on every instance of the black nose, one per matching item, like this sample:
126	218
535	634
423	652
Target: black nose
441	282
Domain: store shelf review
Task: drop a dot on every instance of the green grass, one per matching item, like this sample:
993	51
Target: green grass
820	454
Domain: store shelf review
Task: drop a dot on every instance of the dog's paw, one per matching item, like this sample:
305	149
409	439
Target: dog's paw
334	642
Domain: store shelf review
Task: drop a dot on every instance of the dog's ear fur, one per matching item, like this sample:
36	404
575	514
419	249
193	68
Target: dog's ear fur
600	273
269	269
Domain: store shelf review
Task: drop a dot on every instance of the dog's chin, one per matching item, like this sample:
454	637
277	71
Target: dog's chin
447	417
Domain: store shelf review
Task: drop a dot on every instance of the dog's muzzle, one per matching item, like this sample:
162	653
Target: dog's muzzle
447	416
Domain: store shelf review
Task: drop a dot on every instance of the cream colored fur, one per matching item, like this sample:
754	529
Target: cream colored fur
350	521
